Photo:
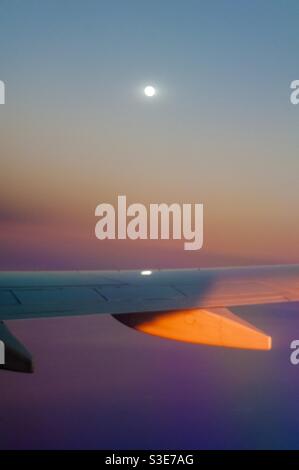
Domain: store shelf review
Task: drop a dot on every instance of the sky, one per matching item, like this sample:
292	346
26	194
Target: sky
77	131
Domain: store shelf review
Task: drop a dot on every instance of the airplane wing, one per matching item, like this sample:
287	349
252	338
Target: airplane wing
183	304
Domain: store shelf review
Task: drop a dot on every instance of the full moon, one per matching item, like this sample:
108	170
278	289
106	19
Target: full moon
149	91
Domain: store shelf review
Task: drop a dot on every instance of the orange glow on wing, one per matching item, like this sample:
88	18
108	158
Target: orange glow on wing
218	327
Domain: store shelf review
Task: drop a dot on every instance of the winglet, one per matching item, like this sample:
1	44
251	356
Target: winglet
217	327
16	356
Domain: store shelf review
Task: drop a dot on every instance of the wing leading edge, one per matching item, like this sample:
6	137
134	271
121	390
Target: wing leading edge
48	294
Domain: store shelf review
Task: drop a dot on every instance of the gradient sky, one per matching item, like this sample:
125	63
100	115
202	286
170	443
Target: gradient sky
76	130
